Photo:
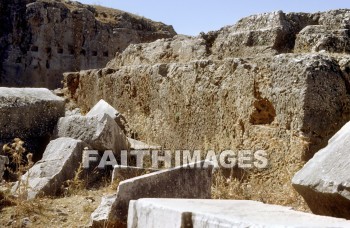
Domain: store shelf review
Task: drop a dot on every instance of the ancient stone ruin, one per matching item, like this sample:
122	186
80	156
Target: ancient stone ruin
42	39
259	84
275	82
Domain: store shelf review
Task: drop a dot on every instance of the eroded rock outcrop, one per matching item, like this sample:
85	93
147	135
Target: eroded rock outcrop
239	88
39	40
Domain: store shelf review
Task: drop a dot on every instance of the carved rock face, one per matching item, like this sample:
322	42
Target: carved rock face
50	37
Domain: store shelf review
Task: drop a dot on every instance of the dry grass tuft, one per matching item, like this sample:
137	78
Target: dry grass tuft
76	185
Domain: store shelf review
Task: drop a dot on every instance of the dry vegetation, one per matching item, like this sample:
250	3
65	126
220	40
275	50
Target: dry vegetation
72	209
102	13
68	211
271	185
75	206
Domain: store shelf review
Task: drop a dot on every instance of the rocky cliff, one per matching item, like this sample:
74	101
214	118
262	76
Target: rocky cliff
39	40
277	82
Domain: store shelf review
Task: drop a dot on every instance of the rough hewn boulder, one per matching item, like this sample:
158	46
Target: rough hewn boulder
316	38
41	39
100	215
334	19
231	103
173	213
60	160
102	107
178	182
324	181
28	112
263	33
101	132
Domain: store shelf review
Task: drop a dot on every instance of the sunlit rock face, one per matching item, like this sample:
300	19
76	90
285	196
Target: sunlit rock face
256	85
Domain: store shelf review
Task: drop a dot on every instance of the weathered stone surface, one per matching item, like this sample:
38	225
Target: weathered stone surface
316	38
101	132
60	160
250	96
262	33
335	19
4	160
121	172
179	49
102	107
324	181
28	112
99	218
173	213
269	33
179	182
42	39
266	103
73	112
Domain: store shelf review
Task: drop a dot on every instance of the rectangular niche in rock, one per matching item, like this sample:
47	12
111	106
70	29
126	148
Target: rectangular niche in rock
34	48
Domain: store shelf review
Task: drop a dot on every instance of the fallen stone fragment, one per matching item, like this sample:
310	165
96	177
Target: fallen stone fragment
324	181
178	182
28	112
4	160
100	215
102	107
121	172
198	213
61	159
101	132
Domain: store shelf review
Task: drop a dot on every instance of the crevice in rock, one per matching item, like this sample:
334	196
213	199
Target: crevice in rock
297	23
209	38
264	112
